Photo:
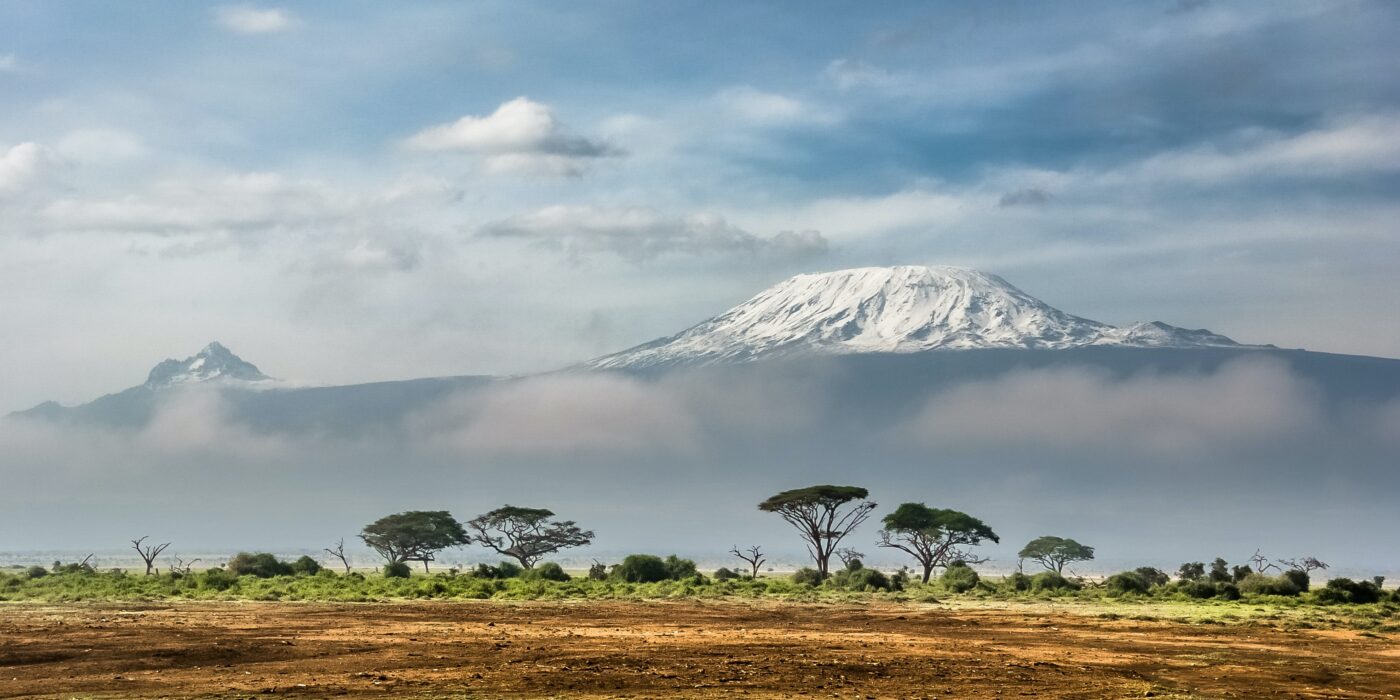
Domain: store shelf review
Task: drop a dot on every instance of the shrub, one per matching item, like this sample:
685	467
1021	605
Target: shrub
1017	582
34	572
216	579
1227	590
503	570
959	578
1195	588
809	576
725	574
677	568
1259	584
306	566
260	564
598	571
1299	578
397	570
1191	571
548	571
1345	590
1127	582
1051	581
1152	576
641	568
860	579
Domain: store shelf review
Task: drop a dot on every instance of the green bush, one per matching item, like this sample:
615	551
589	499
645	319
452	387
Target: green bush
1127	582
397	570
1017	582
807	575
548	571
860	579
1051	581
598	571
260	564
641	568
678	569
306	566
1345	590
34	572
959	578
1152	576
216	580
503	570
1227	590
1259	584
1194	588
1299	579
725	574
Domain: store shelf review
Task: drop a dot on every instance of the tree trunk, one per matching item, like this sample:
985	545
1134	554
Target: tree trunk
928	571
425	566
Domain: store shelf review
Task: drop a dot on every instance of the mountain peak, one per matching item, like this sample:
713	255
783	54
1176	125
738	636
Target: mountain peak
905	308
213	363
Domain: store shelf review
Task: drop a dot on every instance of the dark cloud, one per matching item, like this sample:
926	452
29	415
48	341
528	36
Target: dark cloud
1031	196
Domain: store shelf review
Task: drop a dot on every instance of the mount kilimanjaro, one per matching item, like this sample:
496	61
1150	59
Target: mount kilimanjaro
894	334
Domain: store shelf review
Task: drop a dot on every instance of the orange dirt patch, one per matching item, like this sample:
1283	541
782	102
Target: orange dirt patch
664	649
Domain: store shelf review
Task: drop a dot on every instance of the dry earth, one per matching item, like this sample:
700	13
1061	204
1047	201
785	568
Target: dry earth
667	649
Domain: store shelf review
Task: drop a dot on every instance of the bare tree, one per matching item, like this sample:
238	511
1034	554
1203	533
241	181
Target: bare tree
339	553
753	556
848	555
1306	565
86	563
148	552
1261	563
181	566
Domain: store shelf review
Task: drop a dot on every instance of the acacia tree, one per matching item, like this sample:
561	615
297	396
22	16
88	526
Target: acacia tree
753	556
1054	552
823	516
148	552
527	534
934	536
416	535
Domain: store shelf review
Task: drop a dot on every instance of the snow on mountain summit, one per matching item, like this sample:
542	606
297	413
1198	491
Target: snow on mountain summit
893	309
214	363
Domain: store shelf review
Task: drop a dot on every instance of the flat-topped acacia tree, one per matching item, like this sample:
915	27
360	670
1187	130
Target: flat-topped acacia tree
527	534
416	535
933	536
823	516
1054	553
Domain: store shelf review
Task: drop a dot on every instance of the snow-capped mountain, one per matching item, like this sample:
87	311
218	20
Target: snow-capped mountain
894	309
215	363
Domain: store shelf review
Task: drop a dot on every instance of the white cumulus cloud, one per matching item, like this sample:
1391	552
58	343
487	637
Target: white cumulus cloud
520	136
247	19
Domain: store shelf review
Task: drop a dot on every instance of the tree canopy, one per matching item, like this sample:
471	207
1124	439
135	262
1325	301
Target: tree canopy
1054	552
415	535
527	534
823	516
933	536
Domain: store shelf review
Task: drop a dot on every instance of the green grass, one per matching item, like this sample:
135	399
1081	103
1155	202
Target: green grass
1301	612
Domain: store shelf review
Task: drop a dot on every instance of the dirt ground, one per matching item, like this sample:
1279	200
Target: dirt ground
667	649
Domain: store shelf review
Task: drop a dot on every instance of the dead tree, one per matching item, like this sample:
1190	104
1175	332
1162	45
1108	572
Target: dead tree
1261	563
848	555
148	552
753	556
1306	565
181	566
339	553
86	564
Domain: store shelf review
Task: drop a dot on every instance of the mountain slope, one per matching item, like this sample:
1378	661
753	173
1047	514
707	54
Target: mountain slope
893	309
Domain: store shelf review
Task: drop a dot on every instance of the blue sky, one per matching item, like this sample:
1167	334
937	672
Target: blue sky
357	191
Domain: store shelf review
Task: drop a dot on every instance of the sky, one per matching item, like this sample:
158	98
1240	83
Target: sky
346	192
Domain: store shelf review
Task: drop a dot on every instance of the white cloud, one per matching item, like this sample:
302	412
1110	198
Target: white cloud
757	106
247	19
23	164
100	146
9	63
638	233
521	136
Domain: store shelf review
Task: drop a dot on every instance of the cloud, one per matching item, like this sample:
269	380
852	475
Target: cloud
641	234
1022	197
100	146
562	416
1246	404
23	164
247	19
9	63
767	108
521	136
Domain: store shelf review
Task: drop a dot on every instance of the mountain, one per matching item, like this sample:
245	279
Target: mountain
215	363
894	310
